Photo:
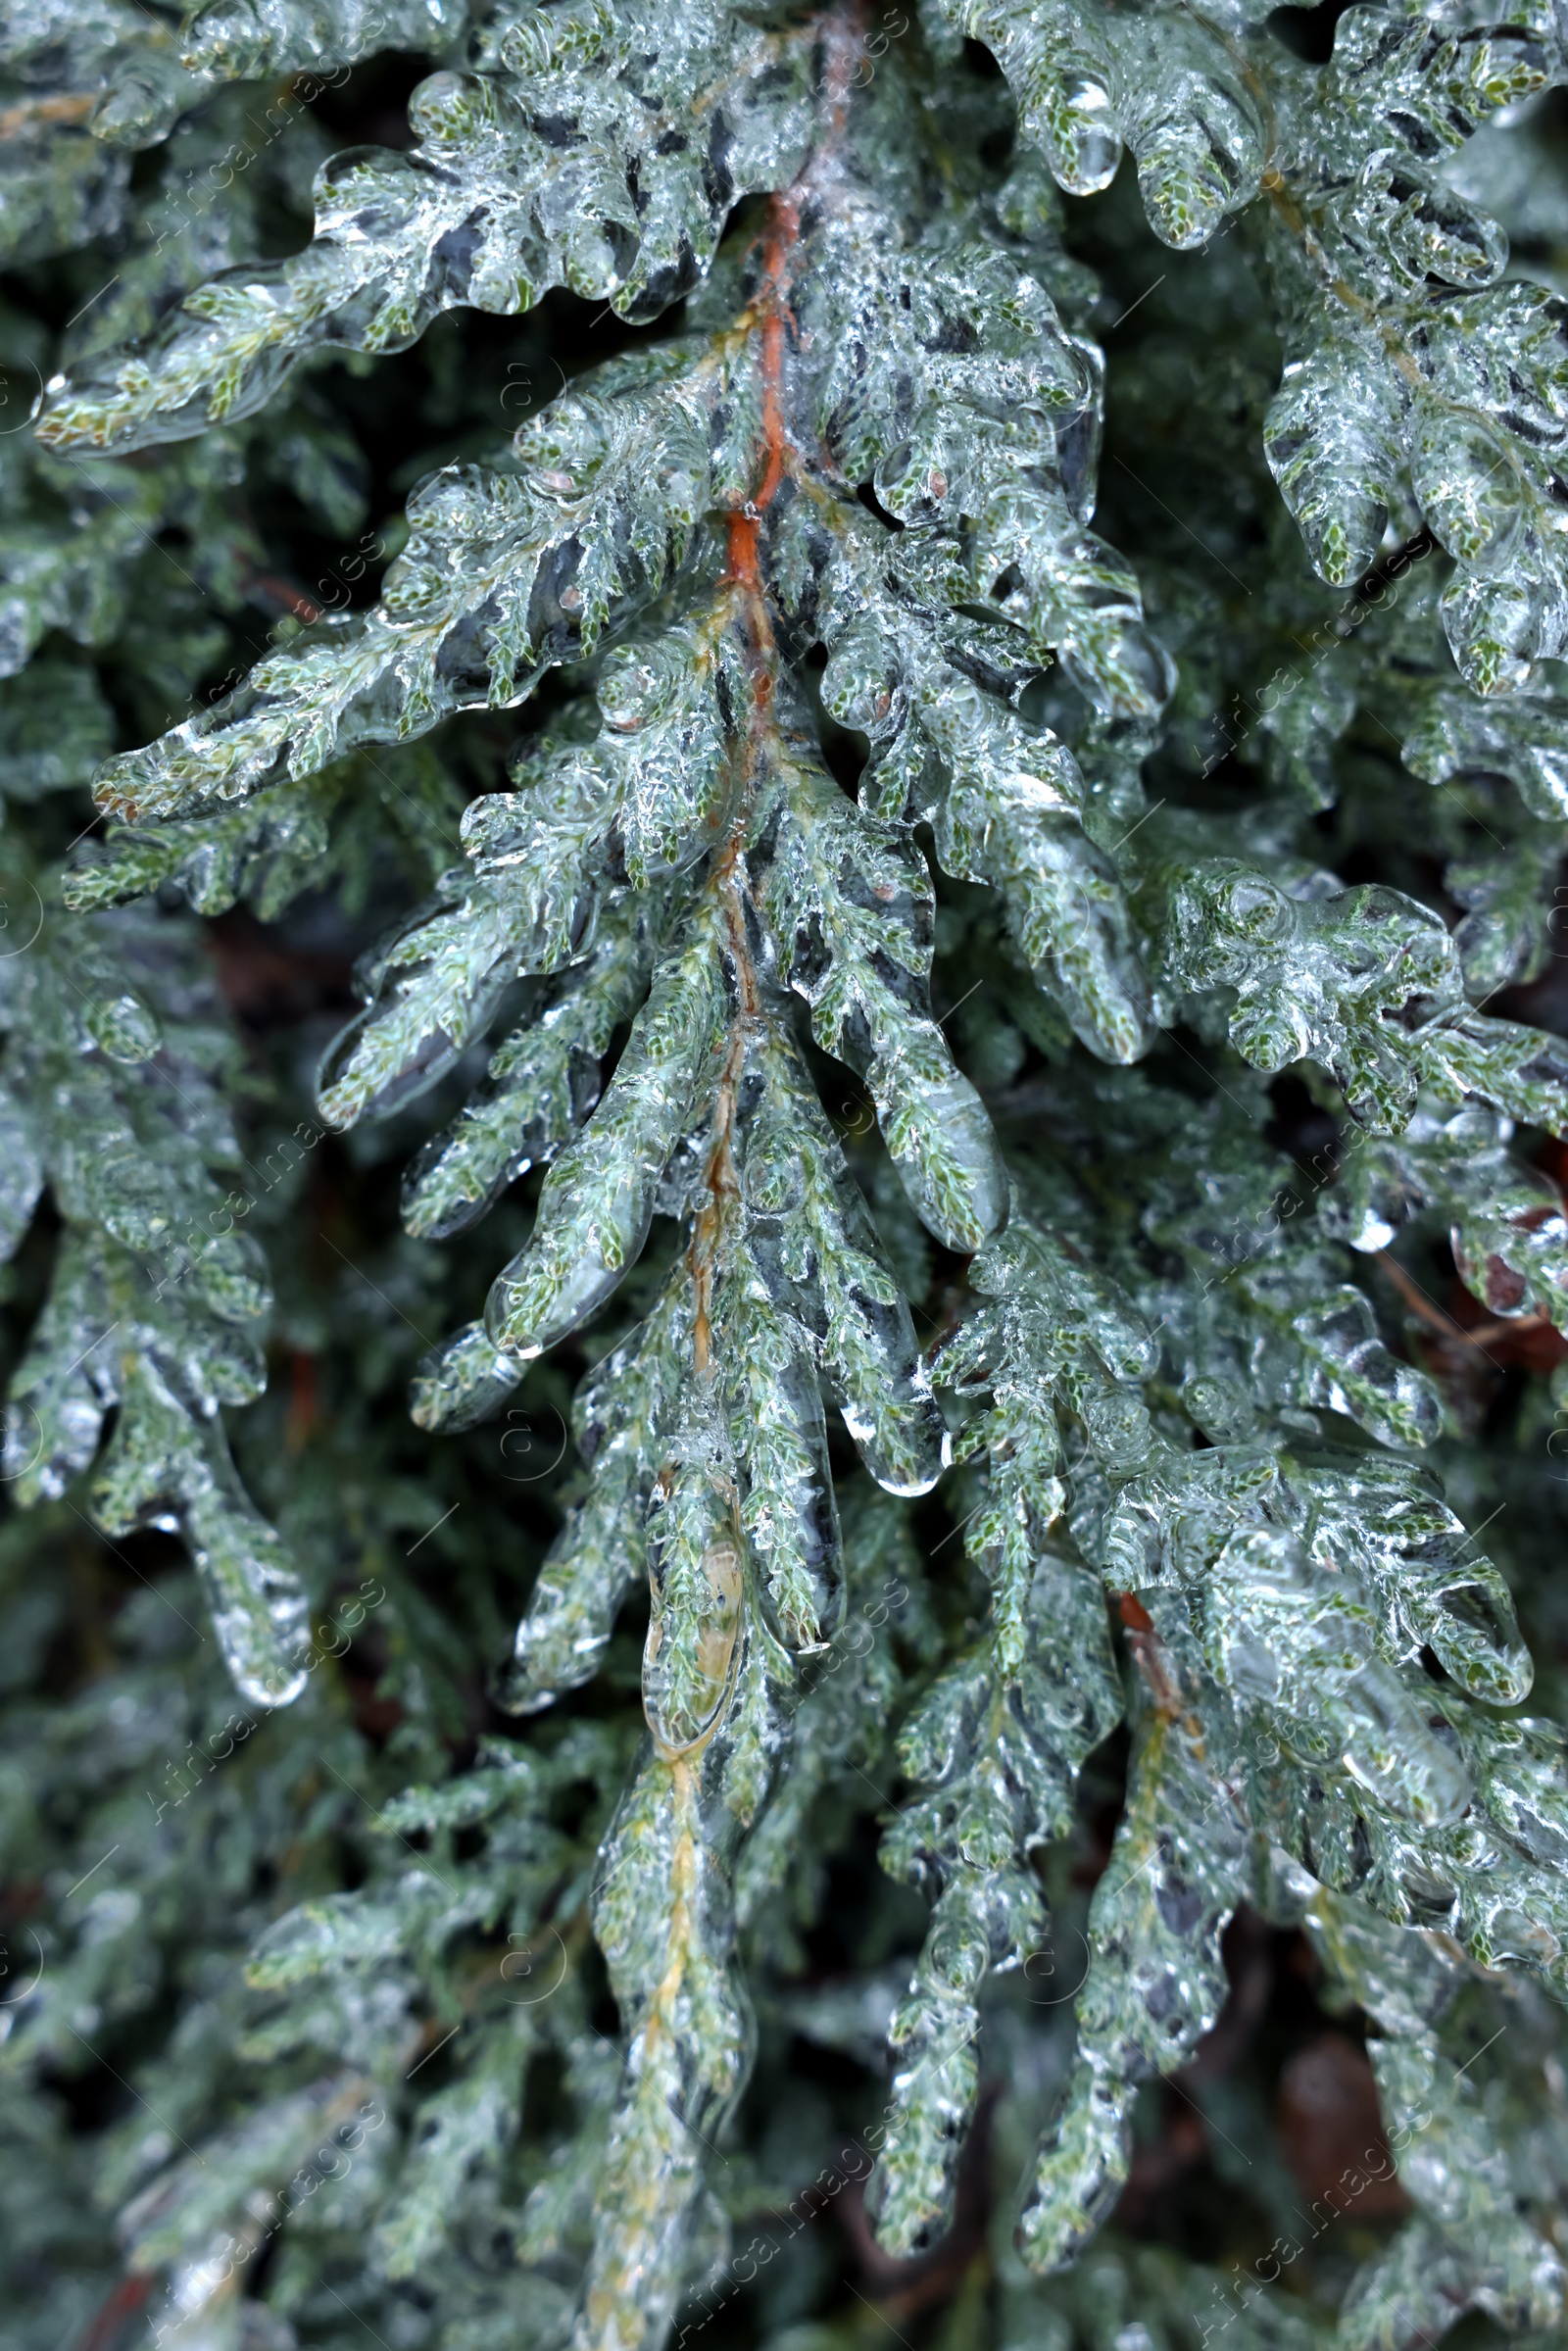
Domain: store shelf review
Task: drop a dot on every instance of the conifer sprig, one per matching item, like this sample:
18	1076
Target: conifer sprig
821	669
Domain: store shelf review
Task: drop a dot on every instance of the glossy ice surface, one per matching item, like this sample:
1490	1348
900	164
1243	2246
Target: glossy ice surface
849	501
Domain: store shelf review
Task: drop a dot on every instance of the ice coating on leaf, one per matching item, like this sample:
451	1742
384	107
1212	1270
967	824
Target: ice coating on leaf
787	1509
1504	1220
618	1419
847	1693
1346	434
1005	803
1473	2241
658	785
542	1082
1324	1579
656	788
1519	1071
1277	1326
852	905
1181	1863
1506	895
818	1257
162	1467
570	158
1526	740
695	1550
1155	1983
1412	377
1011	818
463	1381
245	40
542	563
663	1913
614	481
711	1419
1381	1527
1366	981
597	1201
528	908
1479	1879
1003	1735
1064	1340
1172	88
1345	1364
1337	461
979	1919
157	1301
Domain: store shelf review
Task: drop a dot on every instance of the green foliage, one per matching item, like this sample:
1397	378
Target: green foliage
1034	1425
